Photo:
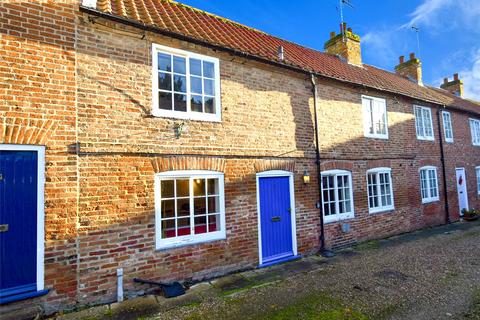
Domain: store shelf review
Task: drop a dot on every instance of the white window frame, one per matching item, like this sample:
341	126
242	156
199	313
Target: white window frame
187	115
375	117
377	172
477	171
341	216
447	126
190	239
423	136
429	198
475	131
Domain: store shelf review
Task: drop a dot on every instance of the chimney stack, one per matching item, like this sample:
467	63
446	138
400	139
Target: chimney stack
455	86
346	44
411	69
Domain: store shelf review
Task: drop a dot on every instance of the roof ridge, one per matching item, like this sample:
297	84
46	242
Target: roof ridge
223	19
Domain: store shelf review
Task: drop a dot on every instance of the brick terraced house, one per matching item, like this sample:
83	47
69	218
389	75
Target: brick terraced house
174	144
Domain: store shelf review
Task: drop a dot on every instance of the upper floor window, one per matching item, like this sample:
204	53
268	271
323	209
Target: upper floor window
189	207
375	117
380	191
337	197
447	126
423	123
475	130
477	170
186	85
429	184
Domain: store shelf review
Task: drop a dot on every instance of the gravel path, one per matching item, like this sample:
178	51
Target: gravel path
430	274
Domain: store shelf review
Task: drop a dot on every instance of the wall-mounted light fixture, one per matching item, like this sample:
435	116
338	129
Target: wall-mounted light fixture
306	177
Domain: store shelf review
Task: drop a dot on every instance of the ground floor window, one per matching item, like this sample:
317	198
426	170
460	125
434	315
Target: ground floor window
380	192
190	207
337	197
429	184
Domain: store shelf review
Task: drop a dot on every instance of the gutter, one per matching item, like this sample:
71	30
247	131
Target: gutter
145	27
323	251
444	174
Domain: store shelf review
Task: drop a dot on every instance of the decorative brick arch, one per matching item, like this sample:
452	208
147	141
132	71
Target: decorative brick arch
384	163
26	131
266	165
337	164
171	163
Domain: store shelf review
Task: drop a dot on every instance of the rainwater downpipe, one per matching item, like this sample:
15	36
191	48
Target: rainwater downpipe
323	251
444	174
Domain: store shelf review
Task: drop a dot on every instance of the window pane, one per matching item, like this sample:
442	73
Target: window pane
196	67
196	85
164	62
165	81
200	225
200	205
199	187
183	187
180	102
209	106
214	223
212	186
183	207
167	209
183	227
196	103
208	69
166	189
179	65
180	83
165	100
208	87
213	204
168	228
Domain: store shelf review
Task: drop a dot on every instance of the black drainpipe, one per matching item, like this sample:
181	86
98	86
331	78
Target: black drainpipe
442	159
323	251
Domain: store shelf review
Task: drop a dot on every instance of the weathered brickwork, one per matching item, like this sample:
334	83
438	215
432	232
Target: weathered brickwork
82	86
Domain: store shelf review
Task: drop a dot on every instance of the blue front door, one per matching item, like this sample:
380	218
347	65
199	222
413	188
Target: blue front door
18	222
275	218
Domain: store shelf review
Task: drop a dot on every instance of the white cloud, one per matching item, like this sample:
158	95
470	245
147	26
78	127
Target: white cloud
440	15
471	78
379	45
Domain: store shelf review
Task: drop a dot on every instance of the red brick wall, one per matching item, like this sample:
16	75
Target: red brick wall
100	203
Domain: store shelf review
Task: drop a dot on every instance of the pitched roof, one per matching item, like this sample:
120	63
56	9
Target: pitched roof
177	18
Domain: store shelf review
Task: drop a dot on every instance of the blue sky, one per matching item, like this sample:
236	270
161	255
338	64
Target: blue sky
449	30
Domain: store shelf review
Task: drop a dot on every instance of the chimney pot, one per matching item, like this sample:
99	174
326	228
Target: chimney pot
332	34
349	29
455	77
347	47
401	59
411	70
412	55
445	80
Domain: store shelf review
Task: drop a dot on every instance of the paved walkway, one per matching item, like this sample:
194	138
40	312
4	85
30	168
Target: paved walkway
430	274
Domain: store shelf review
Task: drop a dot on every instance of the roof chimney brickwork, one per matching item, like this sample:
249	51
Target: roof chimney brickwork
455	86
411	69
346	44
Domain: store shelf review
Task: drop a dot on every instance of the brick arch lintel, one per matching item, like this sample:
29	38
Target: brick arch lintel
26	131
336	164
175	163
267	165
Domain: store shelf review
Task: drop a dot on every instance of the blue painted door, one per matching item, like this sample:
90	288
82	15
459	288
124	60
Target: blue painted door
18	222
275	218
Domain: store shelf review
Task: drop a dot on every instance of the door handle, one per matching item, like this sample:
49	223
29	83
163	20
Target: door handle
276	219
3	227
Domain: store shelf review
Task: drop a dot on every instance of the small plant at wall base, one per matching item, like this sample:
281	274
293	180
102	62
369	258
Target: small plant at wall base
470	215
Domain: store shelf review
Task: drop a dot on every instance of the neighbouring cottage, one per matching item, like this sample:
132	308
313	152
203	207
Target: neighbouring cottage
174	144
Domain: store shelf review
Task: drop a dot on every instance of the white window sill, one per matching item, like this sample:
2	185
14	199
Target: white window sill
430	200
374	136
426	138
449	140
476	145
172	243
209	117
338	218
381	210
